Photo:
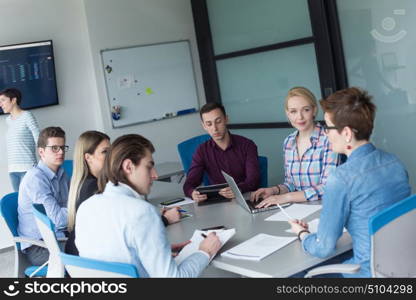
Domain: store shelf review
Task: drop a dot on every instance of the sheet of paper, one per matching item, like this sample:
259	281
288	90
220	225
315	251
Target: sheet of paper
296	211
258	247
313	226
183	202
223	234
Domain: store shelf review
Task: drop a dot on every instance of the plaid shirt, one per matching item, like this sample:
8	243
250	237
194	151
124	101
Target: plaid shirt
309	173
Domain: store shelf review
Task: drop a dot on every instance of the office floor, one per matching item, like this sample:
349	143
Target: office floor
6	263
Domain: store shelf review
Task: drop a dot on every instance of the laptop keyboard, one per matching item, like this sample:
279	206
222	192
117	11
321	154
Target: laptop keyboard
264	208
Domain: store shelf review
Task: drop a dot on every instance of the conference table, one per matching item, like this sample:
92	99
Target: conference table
285	262
167	169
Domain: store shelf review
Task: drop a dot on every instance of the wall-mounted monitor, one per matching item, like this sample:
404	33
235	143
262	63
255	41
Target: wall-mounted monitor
30	67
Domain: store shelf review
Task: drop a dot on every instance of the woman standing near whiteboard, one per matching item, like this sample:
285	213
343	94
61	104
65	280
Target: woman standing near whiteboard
21	138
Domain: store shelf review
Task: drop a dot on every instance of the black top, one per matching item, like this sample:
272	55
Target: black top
88	188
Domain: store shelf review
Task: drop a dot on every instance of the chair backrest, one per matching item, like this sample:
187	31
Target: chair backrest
263	171
8	210
81	267
393	250
47	231
187	149
68	167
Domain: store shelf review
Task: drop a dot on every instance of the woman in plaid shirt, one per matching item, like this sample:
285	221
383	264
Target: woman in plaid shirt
308	155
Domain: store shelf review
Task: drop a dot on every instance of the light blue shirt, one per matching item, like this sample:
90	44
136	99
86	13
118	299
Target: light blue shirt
42	186
119	226
368	182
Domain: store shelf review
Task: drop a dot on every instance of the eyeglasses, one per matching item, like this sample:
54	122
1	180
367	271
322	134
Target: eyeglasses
56	148
328	128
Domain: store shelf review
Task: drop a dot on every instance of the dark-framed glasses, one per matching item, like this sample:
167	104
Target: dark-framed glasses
56	148
328	128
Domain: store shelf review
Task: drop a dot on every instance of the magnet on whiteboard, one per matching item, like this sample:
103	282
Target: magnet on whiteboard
116	112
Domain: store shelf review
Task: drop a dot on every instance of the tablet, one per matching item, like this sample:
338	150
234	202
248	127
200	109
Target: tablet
212	194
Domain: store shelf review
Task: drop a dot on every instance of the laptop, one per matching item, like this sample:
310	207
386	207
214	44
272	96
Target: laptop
212	194
247	204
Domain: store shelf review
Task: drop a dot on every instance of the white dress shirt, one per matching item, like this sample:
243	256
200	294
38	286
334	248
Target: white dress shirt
120	226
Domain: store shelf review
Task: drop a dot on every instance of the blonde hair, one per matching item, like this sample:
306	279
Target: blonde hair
304	93
86	143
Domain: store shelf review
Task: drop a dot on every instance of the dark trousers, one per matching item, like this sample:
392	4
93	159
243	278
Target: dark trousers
36	255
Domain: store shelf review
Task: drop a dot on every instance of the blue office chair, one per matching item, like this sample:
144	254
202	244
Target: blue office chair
68	167
22	267
187	149
263	171
393	246
81	267
47	231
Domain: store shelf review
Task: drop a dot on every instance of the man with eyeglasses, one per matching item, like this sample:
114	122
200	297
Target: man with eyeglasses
47	184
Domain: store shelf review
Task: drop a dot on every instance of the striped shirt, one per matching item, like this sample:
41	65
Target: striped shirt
309	173
22	136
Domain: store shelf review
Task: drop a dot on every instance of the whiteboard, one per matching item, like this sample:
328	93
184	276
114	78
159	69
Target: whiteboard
150	82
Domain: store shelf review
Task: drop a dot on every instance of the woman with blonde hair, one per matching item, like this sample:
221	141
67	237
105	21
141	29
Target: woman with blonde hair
368	182
307	154
89	155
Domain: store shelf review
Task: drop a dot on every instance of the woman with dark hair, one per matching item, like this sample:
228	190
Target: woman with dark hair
369	181
21	138
118	225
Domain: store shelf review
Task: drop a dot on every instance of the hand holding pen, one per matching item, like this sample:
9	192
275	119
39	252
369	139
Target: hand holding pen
211	244
173	215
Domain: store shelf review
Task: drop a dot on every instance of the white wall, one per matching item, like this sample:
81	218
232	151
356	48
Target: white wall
114	24
79	30
64	22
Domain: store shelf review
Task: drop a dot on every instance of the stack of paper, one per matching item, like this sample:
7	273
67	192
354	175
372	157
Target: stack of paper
223	234
258	247
296	211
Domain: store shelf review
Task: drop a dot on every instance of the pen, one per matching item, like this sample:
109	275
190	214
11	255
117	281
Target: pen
284	211
182	210
203	235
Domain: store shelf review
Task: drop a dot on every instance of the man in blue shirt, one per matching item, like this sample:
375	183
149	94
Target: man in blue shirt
45	184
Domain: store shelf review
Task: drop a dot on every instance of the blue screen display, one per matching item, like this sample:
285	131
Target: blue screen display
30	68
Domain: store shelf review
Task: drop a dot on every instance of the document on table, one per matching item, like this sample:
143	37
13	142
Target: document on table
258	247
296	211
313	226
183	202
223	234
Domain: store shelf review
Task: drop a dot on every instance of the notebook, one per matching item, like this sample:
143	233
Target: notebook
247	204
258	247
223	234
